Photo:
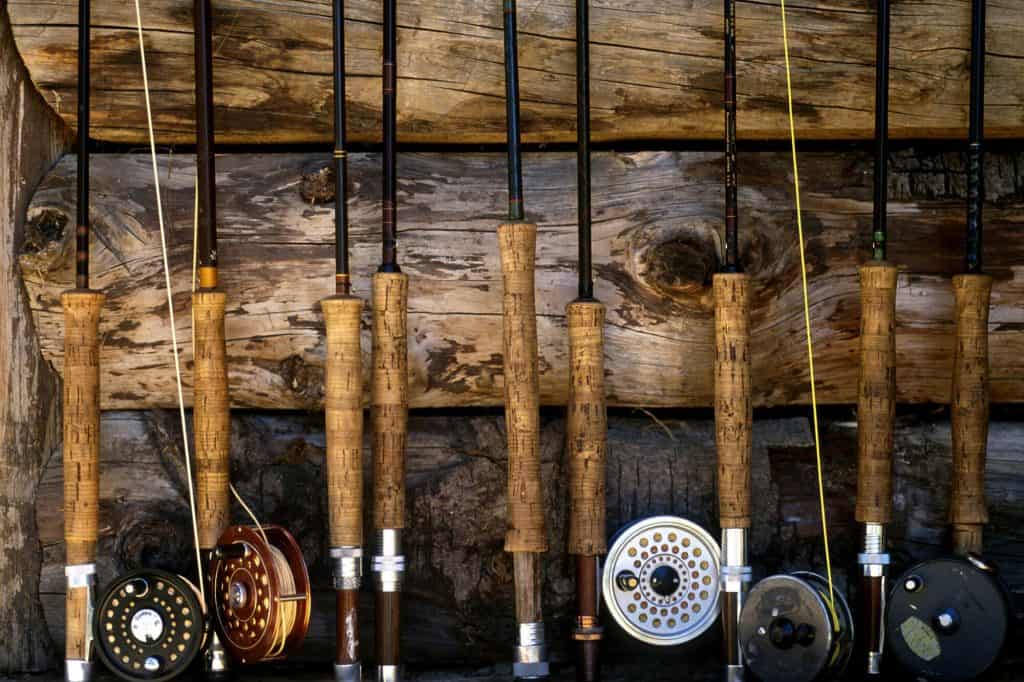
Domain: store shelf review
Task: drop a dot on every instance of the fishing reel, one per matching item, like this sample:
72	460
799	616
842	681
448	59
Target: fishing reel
149	625
660	580
948	619
790	630
261	593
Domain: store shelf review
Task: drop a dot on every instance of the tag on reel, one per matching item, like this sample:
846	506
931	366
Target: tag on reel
149	625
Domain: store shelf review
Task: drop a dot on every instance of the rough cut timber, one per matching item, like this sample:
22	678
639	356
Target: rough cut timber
458	602
657	220
31	139
657	71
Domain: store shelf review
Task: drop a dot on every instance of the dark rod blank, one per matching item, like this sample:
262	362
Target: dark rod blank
976	135
516	210
341	272
586	286
389	225
82	222
204	135
731	181
878	237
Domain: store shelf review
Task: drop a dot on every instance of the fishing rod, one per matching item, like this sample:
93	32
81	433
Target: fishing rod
344	400
527	537
733	407
257	589
791	627
876	389
389	385
587	422
949	618
82	307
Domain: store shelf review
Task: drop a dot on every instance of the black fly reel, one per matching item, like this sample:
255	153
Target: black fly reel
789	632
149	625
948	619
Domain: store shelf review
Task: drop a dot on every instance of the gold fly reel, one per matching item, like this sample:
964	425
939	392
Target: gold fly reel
261	593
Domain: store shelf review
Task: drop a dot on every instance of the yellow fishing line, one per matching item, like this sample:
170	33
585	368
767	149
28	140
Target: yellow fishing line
807	310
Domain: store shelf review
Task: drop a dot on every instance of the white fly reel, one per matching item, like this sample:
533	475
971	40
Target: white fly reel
661	580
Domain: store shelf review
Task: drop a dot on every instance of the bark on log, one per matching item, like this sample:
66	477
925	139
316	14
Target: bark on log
459	576
656	237
31	139
657	69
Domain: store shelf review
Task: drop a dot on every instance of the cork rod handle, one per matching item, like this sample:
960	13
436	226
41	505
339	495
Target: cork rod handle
970	407
344	419
587	428
390	397
733	410
876	392
212	416
526	533
81	451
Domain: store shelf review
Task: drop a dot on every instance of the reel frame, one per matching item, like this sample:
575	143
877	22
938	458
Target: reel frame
247	593
671	545
149	625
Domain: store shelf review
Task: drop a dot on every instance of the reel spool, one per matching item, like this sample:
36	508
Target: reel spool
261	593
660	580
149	625
948	619
788	633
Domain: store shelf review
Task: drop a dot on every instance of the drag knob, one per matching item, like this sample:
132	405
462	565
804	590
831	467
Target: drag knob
627	581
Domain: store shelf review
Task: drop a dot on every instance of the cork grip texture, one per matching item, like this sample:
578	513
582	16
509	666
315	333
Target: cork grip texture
390	397
211	415
344	420
970	408
733	409
526	532
586	428
81	452
876	392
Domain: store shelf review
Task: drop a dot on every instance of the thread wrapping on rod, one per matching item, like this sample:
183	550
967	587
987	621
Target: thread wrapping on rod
205	165
881	180
731	181
586	285
976	135
341	247
82	226
516	209
389	223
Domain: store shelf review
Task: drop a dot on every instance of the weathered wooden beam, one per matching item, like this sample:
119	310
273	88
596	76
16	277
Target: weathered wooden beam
656	232
458	603
31	139
657	71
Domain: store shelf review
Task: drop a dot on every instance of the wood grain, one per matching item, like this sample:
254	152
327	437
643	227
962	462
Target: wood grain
876	392
658	218
656	69
31	141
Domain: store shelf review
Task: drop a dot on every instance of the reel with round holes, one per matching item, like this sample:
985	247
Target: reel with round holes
660	580
149	625
261	593
948	619
788	632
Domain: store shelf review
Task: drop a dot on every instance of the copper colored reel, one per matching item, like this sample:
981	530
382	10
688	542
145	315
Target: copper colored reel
261	593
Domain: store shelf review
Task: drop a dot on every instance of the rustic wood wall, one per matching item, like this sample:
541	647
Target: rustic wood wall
31	138
657	70
657	243
458	604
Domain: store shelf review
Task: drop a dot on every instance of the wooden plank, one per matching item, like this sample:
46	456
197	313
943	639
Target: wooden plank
657	70
457	606
31	139
656	236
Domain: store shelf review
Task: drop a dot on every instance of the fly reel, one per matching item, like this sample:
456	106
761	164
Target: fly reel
660	580
789	633
948	619
261	593
149	625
